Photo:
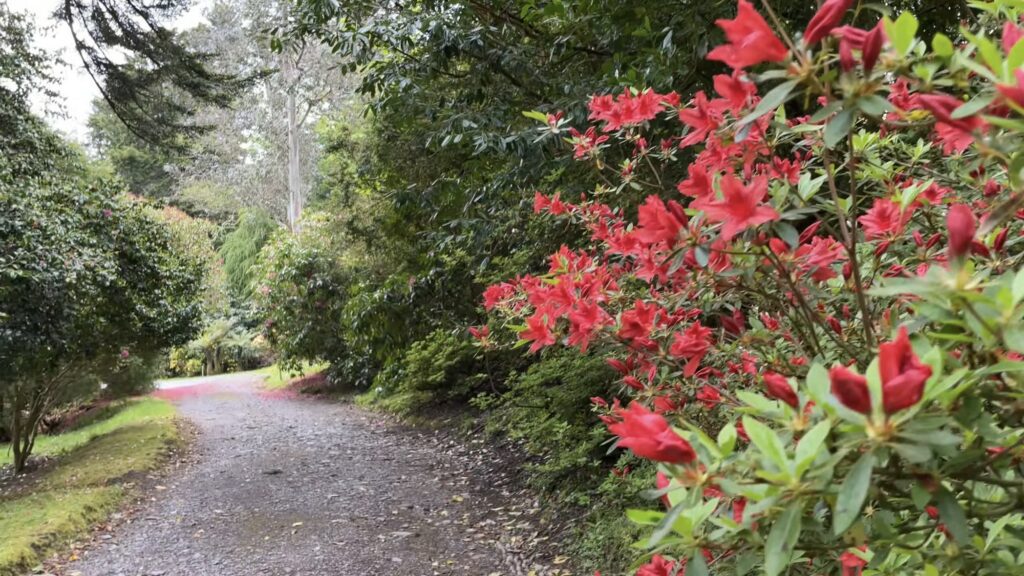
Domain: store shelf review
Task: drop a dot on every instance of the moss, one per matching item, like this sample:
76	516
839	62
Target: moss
130	449
130	411
83	485
34	524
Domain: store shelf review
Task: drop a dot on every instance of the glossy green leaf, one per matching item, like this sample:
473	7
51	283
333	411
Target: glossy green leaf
852	493
782	539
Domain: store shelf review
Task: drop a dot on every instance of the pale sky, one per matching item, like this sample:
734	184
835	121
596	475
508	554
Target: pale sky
76	89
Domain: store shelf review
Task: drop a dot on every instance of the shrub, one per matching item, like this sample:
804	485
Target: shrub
541	410
819	338
440	368
241	248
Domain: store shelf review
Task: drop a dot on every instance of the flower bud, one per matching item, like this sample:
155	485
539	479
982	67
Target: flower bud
778	387
961	225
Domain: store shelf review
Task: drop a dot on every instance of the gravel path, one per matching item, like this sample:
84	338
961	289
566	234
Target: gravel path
295	486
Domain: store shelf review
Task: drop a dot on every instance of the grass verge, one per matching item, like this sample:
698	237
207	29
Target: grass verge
278	379
84	484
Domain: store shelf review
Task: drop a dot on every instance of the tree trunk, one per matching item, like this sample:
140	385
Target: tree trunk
295	195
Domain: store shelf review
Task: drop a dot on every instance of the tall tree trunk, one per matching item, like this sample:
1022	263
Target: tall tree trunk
295	196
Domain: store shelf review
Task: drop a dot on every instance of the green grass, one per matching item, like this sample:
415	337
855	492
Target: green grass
85	483
134	411
277	378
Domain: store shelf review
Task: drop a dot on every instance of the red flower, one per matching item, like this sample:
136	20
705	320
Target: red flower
827	17
662	482
903	374
1011	35
627	109
778	387
583	322
658	566
710	398
658	223
961	225
1014	92
740	207
853	564
737	91
851	389
649	436
480	332
538	329
884	220
955	133
873	42
751	40
698	184
702	118
638	321
691	344
497	293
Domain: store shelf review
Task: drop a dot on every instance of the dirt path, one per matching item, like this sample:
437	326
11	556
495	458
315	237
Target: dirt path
293	486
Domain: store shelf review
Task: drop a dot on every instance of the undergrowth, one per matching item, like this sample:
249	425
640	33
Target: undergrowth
60	501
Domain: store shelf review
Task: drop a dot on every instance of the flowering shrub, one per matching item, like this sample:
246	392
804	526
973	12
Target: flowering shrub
818	326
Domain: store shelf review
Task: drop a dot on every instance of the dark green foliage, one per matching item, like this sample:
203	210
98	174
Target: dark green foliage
547	409
440	368
148	170
156	90
242	247
133	374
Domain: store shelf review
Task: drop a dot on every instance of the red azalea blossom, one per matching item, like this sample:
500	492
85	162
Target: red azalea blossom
709	397
956	134
851	389
826	18
658	566
498	293
740	207
538	330
649	436
584	321
751	40
691	344
962	226
884	219
778	387
658	223
638	321
903	374
627	109
852	564
702	119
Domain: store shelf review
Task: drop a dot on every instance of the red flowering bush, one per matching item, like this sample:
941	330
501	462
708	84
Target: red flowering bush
819	328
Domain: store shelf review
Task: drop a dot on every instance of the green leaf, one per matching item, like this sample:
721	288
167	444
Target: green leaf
901	32
952	515
772	100
852	493
818	383
838	127
664	527
874	105
809	446
767	442
697	566
942	45
645	517
782	539
535	115
1015	59
976	105
1018	287
727	439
